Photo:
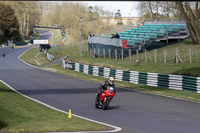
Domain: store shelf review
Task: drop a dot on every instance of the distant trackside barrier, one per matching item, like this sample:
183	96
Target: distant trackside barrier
50	57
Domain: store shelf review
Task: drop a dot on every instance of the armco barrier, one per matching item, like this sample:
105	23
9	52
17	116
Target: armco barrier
176	82
50	57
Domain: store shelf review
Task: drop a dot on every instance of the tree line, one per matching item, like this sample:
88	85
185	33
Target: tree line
26	14
68	14
9	26
17	18
22	15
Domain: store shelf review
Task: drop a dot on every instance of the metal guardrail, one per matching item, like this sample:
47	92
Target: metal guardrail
47	27
65	37
50	57
105	41
176	82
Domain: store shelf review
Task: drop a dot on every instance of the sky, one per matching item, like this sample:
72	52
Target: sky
127	8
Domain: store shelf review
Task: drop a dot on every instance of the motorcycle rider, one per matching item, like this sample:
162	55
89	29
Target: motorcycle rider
105	84
4	53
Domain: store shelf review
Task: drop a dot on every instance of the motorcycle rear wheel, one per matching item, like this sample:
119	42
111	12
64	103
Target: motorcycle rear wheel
97	102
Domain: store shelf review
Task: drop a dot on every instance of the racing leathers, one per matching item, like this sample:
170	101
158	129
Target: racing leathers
104	86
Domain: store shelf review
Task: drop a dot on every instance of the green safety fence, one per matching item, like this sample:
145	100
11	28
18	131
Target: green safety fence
176	82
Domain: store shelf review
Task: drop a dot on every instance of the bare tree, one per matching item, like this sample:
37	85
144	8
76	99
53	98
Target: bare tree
27	13
192	19
155	10
118	17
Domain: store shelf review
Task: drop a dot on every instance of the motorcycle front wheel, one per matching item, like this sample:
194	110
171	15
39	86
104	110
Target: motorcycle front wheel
105	104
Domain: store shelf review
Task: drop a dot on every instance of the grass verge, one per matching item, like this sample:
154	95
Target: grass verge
34	55
184	68
19	114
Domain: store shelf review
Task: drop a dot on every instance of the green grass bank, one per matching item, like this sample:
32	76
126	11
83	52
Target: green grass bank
20	114
185	68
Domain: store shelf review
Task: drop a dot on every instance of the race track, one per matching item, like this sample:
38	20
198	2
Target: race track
133	111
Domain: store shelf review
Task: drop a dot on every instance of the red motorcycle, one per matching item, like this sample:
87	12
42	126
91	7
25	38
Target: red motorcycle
103	100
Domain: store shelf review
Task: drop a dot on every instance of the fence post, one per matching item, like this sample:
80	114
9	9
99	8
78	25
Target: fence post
130	54
94	53
155	51
116	54
176	57
138	54
109	53
145	55
104	53
98	53
190	57
165	56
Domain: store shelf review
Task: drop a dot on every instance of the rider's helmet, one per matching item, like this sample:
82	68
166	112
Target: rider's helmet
111	80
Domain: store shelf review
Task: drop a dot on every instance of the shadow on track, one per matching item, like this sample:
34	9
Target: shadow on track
58	91
113	107
64	91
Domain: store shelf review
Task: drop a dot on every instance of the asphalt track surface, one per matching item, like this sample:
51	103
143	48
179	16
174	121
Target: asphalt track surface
133	111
